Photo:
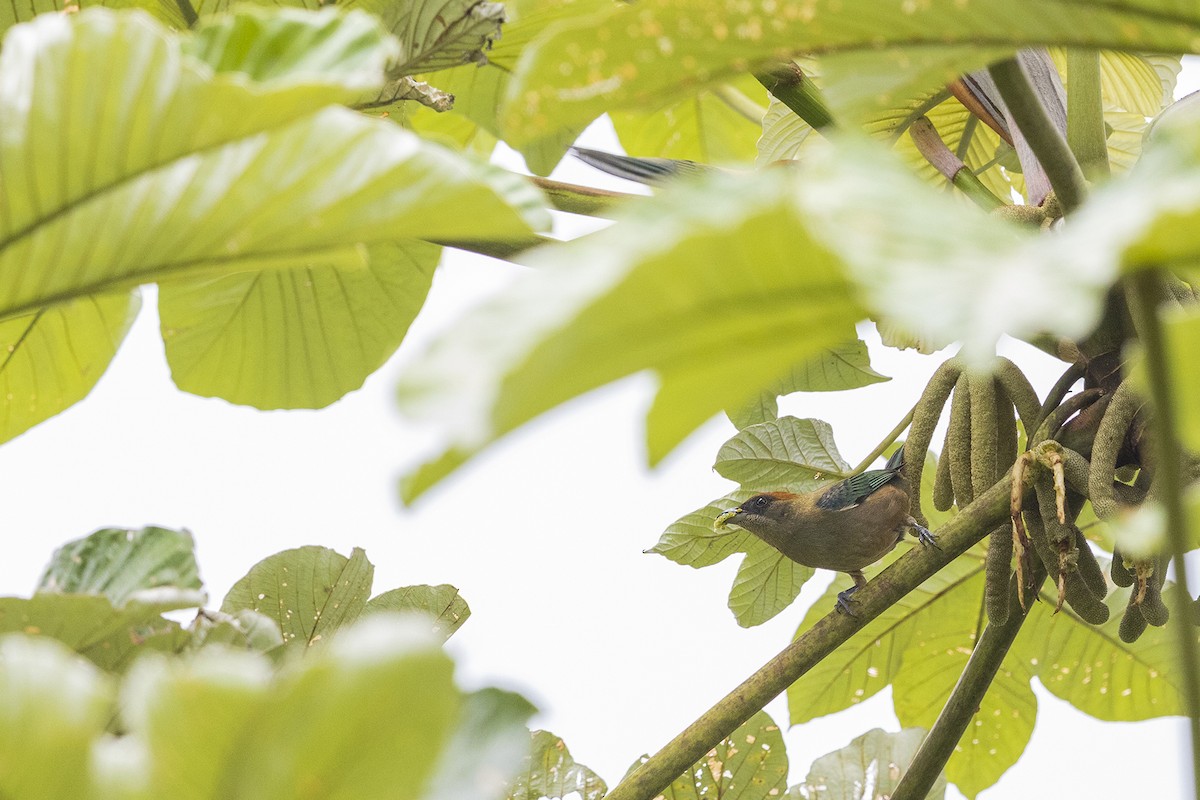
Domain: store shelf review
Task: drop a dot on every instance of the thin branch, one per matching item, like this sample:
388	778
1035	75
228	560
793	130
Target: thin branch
907	573
739	103
1085	113
964	701
887	440
1143	291
929	143
576	199
1047	144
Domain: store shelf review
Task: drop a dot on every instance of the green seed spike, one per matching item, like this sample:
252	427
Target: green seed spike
1006	432
943	489
1133	624
1110	435
1119	571
959	442
925	418
1089	567
998	571
1153	609
1020	394
984	441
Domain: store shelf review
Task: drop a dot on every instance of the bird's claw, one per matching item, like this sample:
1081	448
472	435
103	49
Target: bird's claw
843	601
924	536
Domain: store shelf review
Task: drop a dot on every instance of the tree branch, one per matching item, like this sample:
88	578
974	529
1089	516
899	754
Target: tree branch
907	573
794	89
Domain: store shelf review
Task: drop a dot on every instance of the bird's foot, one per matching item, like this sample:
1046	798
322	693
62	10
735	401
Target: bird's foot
843	601
924	536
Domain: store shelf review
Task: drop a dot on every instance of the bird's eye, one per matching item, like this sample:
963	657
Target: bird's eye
759	502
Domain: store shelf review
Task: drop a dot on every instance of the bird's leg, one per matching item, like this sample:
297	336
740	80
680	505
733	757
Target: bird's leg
923	534
843	601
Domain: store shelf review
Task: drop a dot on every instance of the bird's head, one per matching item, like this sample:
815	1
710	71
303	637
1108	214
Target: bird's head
759	512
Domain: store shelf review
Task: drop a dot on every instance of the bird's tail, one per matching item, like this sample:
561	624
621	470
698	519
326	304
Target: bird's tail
896	462
652	171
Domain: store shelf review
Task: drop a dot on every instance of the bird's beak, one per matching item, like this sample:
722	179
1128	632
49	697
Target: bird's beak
725	517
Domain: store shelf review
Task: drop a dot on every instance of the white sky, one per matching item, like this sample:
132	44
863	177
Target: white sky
543	535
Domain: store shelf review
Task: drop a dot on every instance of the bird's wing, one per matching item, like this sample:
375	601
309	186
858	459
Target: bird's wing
852	491
651	171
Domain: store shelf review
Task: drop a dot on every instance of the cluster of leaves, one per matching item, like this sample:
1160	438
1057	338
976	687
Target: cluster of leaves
300	686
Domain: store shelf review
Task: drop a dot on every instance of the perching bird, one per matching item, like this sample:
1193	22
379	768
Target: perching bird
845	527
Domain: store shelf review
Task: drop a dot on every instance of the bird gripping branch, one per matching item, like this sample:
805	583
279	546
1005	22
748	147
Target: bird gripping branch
845	527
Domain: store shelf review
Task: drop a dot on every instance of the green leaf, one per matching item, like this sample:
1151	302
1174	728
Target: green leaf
877	759
763	408
651	54
443	603
549	771
55	705
310	592
946	604
485	753
941	643
211	174
192	715
243	629
90	625
846	366
790	454
479	89
330	725
165	11
299	338
55	355
712	127
751	764
119	562
1181	331
700	285
694	542
322	54
1093	670
766	583
440	34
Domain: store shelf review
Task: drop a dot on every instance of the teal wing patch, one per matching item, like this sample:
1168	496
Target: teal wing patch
855	489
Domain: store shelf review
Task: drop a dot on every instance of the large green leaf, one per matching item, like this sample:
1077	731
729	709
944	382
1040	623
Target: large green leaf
479	89
750	764
700	284
295	338
169	12
443	603
713	127
193	174
785	454
549	771
54	356
110	636
55	704
693	541
646	54
766	583
485	754
309	591
869	768
117	562
331	725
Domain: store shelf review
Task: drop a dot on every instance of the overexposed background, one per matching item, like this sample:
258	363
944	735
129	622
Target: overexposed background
543	535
